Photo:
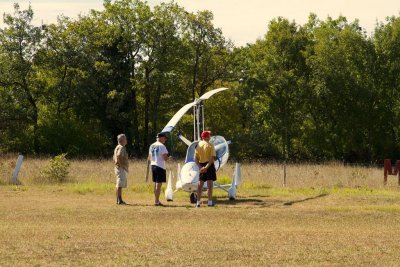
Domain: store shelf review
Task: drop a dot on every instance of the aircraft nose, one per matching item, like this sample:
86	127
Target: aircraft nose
190	173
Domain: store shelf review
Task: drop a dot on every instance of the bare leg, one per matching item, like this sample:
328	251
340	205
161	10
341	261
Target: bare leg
119	192
157	191
199	190
210	185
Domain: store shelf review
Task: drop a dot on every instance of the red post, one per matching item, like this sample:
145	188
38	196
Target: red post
388	170
398	171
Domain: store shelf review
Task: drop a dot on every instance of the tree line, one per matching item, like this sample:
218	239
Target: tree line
325	90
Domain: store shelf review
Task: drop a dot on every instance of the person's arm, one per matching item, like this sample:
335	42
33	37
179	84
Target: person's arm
149	156
165	154
210	162
118	157
122	155
212	159
196	158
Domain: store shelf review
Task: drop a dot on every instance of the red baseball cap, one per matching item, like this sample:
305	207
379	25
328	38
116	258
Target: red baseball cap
205	134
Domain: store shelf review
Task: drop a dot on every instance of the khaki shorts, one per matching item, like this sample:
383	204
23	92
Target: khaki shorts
121	177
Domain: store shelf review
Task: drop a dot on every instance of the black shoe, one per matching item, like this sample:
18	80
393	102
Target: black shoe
197	206
121	202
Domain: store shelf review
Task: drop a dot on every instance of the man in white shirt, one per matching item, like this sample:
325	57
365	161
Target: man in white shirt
158	155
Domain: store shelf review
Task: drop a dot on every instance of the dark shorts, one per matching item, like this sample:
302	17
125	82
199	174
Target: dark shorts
159	174
210	175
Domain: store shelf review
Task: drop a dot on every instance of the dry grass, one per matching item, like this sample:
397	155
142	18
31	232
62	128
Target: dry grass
54	226
270	174
330	215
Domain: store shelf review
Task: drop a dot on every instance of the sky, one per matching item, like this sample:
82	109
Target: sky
243	21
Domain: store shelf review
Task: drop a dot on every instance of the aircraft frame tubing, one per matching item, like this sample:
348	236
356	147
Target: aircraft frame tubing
198	122
194	122
220	187
202	116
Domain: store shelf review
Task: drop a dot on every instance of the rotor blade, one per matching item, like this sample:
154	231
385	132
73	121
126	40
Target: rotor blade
175	119
211	93
184	139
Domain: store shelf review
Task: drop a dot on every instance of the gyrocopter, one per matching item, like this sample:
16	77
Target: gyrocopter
188	175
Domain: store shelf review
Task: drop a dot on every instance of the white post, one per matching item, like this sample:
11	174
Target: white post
238	174
14	177
235	182
284	173
169	193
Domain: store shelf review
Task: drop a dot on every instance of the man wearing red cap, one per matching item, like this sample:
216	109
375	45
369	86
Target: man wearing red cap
204	157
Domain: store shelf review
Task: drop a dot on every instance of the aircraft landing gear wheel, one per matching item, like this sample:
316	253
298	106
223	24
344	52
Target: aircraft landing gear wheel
193	198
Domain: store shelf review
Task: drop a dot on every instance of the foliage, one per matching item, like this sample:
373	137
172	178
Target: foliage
57	170
319	91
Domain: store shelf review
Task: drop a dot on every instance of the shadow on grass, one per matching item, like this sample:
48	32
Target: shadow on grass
289	203
221	202
268	203
168	205
248	201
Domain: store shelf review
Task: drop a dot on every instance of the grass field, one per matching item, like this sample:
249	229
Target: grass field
329	215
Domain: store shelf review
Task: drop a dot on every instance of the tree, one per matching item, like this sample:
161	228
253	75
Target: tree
387	72
161	67
208	52
275	78
19	42
341	61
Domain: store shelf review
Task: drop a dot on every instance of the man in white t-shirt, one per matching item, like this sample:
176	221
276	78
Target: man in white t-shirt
158	155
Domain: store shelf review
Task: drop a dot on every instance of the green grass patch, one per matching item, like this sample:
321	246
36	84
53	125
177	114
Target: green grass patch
224	179
143	188
267	190
386	208
103	188
340	209
254	185
19	188
373	208
364	191
247	189
85	188
263	189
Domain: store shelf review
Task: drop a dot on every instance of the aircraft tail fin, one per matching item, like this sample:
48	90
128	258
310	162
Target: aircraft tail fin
169	193
236	179
237	175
